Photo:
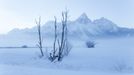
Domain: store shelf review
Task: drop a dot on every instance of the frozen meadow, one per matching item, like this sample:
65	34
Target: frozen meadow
111	56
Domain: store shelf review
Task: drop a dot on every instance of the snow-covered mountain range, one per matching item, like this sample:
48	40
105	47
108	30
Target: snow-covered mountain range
82	27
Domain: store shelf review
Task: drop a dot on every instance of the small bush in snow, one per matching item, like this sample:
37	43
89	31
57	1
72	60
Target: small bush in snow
90	44
24	46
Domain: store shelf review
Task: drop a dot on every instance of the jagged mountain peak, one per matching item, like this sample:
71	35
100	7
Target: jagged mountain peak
83	18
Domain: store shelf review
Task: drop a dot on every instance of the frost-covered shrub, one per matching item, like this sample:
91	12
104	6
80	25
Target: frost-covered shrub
90	44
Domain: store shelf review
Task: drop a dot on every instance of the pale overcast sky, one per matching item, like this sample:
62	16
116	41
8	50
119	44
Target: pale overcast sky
22	13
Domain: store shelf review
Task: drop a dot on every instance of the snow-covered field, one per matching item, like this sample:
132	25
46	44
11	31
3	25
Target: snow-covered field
113	56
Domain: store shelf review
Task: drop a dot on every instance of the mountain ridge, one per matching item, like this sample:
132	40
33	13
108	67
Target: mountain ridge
78	30
82	26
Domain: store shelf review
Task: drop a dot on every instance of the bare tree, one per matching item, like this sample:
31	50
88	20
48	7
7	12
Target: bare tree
67	45
63	47
38	23
53	54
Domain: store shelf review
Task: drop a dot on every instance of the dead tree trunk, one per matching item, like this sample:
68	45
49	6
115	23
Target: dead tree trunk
39	36
55	37
63	36
53	55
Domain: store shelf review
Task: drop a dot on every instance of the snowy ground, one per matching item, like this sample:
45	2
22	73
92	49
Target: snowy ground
109	57
21	70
